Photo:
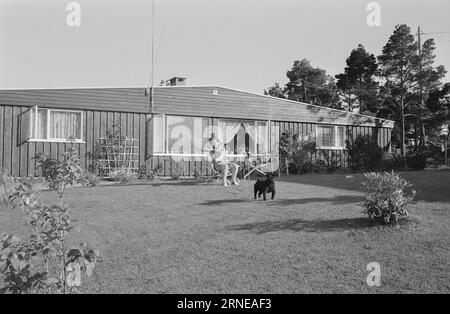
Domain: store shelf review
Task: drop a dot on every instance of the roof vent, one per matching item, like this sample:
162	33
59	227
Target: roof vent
215	92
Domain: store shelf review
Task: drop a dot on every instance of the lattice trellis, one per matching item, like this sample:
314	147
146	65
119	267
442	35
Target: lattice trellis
117	154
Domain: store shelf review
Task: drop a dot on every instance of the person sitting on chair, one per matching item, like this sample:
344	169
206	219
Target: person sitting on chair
216	151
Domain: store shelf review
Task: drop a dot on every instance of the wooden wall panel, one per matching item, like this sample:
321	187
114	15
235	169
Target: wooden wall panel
7	145
19	159
30	160
2	134
19	156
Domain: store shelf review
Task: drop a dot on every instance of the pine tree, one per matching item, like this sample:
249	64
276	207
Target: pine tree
357	88
398	70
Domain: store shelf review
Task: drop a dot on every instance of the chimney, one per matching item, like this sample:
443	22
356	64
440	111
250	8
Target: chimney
177	81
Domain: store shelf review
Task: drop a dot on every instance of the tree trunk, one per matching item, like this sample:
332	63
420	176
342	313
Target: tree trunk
402	125
422	131
446	151
416	136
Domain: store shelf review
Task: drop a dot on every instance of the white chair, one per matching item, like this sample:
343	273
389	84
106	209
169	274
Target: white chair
216	173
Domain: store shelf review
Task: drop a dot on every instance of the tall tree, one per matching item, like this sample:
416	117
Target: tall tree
429	80
358	90
275	91
310	85
397	68
438	117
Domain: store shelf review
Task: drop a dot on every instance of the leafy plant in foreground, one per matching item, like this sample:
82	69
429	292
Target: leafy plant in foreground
386	198
61	173
43	263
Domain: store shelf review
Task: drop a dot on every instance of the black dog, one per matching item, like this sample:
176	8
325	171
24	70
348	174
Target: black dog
265	186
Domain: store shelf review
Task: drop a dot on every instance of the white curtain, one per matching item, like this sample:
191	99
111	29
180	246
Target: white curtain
229	130
262	138
325	136
65	125
250	128
41	129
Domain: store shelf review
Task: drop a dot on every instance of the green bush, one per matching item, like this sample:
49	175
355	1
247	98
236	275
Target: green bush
329	163
364	154
91	179
416	160
43	263
123	176
59	174
386	198
145	174
296	152
392	161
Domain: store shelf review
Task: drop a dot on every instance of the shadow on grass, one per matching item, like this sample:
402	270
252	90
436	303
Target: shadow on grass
224	202
338	200
158	183
432	186
297	225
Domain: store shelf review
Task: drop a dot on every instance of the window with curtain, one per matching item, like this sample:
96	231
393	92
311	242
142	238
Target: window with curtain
330	136
245	137
56	125
65	125
184	135
189	135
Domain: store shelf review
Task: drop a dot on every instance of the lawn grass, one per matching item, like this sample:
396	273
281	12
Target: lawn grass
185	237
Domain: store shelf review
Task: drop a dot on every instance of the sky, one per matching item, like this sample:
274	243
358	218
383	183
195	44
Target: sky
242	44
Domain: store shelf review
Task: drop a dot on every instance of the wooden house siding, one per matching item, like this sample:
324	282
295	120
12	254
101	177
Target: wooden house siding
201	101
196	165
103	99
18	157
129	109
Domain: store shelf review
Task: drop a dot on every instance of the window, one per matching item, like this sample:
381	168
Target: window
182	135
330	136
56	125
245	137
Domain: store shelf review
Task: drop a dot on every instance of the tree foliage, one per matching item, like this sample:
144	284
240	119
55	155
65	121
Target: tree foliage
358	89
310	85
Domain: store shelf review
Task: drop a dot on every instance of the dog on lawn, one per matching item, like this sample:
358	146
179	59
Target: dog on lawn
265	186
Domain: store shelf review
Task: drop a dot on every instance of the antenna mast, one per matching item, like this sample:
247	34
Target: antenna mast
153	56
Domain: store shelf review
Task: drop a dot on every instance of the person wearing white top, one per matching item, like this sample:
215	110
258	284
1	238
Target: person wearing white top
217	155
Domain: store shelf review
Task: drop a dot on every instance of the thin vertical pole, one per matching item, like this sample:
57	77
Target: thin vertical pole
153	54
422	130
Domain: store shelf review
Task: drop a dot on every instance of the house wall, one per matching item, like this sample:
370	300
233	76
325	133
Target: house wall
17	155
189	165
103	107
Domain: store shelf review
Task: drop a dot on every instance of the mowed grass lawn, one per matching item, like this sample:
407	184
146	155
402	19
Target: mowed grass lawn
185	237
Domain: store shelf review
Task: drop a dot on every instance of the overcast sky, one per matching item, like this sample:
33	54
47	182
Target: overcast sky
242	44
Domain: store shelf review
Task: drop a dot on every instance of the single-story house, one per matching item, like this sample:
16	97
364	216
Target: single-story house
171	123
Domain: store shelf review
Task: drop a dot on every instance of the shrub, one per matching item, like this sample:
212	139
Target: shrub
91	179
329	163
363	154
296	152
386	199
144	174
392	161
416	160
61	173
42	263
176	172
123	176
197	173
